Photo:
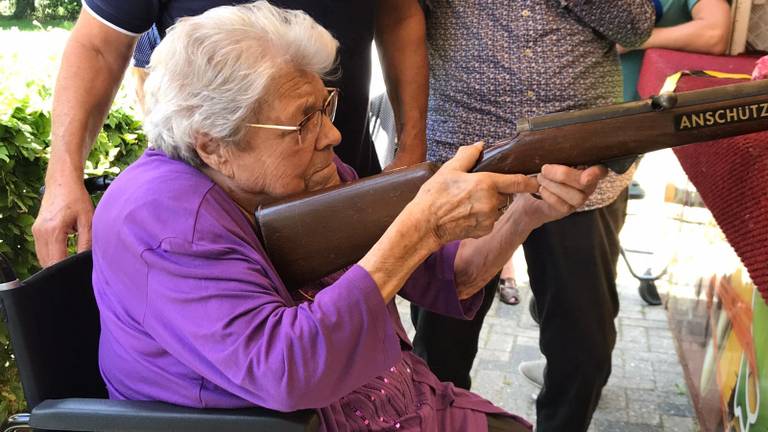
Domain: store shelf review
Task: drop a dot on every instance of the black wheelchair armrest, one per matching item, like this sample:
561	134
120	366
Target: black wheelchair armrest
104	415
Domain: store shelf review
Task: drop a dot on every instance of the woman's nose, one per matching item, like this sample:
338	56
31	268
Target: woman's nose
329	135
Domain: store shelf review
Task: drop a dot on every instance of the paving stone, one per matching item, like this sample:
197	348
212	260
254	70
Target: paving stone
614	426
484	353
634	383
521	353
510	312
670	367
644	413
636	337
656	396
672	384
500	343
649	324
656	314
493	365
510	329
617	362
618	372
675	409
635	314
613	398
640	367
662	345
610	415
679	424
522	340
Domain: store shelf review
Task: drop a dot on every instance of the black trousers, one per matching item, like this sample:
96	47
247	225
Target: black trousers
572	270
447	344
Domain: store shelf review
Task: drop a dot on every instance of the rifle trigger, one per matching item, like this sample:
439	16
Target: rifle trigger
620	165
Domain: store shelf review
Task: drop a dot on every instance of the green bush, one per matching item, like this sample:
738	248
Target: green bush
57	9
24	150
41	9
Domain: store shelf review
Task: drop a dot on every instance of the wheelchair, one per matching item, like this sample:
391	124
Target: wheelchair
54	328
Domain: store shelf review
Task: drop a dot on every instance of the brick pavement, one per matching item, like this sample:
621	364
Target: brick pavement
646	391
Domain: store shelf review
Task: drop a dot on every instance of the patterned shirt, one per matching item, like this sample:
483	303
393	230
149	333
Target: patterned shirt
494	62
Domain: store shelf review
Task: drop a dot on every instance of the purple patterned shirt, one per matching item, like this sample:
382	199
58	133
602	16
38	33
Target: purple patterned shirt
492	63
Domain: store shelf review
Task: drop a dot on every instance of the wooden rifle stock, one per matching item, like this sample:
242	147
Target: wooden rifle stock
316	233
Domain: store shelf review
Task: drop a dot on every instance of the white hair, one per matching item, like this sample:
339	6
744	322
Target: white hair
210	71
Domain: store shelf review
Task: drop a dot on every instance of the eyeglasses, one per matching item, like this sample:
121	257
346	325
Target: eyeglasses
310	124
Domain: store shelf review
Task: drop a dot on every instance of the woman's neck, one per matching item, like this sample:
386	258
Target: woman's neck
247	201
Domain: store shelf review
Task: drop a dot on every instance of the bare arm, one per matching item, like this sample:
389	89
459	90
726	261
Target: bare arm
92	67
707	33
401	39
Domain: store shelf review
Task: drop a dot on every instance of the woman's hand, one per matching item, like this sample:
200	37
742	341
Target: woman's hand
562	191
451	205
454	204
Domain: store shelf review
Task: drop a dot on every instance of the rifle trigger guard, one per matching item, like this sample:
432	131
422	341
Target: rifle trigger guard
620	165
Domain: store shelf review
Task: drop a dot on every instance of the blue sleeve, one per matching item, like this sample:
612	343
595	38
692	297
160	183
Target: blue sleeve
147	43
132	17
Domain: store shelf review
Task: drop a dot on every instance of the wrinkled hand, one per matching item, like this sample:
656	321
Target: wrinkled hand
455	204
563	190
65	209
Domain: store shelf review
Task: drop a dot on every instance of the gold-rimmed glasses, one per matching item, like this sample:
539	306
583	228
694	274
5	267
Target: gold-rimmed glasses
310	124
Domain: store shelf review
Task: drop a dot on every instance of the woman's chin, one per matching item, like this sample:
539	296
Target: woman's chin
322	178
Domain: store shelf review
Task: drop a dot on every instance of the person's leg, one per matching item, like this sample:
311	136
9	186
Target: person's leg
139	77
508	292
572	269
449	345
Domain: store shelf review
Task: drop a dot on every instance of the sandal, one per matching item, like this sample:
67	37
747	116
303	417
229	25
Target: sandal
508	292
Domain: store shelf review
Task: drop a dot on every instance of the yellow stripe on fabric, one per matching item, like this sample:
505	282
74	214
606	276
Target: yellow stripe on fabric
670	84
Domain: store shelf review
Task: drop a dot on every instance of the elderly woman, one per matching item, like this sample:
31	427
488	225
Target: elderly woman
192	311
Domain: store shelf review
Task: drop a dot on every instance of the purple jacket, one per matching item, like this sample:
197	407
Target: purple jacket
194	314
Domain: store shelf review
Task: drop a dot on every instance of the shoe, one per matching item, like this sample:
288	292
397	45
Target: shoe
508	292
533	371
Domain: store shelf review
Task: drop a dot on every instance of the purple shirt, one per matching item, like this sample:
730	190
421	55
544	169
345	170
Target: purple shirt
194	314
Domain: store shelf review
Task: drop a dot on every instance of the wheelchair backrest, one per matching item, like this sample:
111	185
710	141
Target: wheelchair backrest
53	322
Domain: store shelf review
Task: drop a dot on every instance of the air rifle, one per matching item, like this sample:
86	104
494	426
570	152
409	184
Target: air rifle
316	233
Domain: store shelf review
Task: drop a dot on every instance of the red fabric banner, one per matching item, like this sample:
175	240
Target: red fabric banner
730	174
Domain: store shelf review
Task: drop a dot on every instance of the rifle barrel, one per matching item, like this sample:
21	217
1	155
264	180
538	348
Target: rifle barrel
314	234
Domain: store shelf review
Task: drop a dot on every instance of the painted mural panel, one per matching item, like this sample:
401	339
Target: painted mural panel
726	363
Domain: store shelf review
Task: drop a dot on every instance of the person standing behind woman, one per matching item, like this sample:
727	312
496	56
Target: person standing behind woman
700	26
524	58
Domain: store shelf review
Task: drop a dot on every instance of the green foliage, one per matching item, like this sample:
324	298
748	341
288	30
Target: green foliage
26	24
57	9
41	9
25	125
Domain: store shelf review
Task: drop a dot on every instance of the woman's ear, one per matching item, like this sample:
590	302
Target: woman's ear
213	154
